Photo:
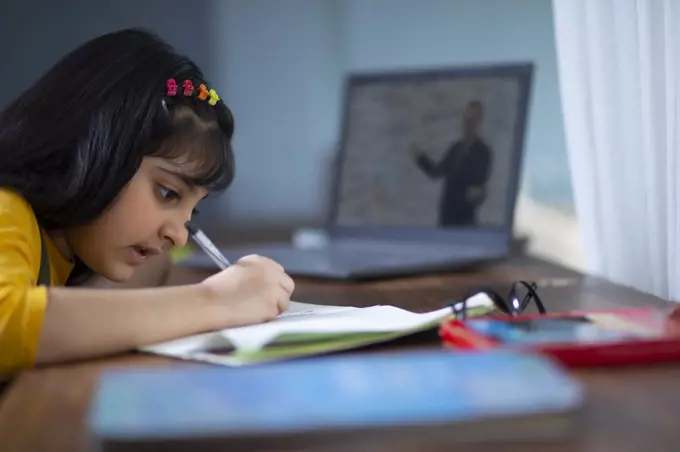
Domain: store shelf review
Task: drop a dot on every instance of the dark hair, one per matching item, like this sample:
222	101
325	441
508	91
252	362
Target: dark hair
73	140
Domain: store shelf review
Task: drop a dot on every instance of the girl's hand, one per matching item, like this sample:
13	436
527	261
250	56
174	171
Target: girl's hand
255	289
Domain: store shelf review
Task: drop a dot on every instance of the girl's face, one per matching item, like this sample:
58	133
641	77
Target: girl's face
148	218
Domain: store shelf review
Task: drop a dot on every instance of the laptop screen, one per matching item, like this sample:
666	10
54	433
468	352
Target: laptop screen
432	149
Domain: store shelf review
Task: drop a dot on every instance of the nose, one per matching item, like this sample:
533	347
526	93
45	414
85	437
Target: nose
174	231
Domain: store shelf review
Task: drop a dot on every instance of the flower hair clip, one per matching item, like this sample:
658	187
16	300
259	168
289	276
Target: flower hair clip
171	87
188	91
202	92
213	97
188	88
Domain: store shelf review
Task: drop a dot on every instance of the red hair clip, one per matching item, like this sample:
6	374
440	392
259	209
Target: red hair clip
171	86
188	88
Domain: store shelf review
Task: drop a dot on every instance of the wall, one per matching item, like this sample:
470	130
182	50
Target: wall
282	78
381	34
279	73
35	33
280	65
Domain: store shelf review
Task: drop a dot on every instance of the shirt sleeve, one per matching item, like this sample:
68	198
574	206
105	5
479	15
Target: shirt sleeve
22	304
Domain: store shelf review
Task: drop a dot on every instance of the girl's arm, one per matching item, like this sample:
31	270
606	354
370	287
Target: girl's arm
144	316
87	322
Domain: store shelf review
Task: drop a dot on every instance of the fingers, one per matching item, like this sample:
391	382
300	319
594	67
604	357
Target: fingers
287	284
282	283
256	259
283	303
285	281
286	287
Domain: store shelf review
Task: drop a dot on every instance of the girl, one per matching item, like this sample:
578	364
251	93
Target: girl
102	162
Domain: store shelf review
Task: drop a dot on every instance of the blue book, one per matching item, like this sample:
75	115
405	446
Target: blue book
439	394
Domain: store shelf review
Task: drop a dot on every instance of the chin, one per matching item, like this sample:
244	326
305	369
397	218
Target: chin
118	273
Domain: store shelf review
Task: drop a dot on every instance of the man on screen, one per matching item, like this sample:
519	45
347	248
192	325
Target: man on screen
465	167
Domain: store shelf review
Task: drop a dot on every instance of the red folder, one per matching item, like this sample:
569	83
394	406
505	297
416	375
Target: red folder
577	338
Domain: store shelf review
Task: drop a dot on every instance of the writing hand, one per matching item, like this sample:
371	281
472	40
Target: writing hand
253	290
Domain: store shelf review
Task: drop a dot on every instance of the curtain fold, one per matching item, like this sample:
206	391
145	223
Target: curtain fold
618	74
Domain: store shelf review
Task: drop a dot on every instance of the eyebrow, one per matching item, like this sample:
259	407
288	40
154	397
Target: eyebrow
188	180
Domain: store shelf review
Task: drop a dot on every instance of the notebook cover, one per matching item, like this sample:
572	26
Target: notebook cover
588	338
331	393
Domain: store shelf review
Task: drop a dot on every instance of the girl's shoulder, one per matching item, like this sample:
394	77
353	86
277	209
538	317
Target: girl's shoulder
21	242
12	198
17	213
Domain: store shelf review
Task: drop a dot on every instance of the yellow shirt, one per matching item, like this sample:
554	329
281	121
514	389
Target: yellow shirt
22	302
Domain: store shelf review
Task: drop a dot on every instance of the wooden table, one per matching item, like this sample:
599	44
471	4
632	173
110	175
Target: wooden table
629	409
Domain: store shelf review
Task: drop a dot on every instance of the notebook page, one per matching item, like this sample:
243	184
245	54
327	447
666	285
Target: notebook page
296	308
216	340
375	319
311	319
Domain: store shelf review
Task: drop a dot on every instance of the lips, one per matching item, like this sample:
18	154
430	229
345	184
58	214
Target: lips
139	253
146	251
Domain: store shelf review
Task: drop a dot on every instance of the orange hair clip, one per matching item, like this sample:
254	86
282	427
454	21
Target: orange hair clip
203	92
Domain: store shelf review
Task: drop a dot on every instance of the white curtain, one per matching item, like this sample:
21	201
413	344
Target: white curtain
619	78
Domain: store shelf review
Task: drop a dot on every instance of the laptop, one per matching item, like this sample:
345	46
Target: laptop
425	179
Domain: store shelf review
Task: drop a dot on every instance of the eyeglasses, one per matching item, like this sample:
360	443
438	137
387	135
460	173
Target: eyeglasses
521	295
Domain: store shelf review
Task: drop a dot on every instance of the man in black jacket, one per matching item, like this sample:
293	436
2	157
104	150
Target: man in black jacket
465	167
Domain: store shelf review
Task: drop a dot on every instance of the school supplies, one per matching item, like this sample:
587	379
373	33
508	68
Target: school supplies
207	246
308	329
346	399
577	339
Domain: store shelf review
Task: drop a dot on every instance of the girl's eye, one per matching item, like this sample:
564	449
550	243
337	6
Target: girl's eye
168	194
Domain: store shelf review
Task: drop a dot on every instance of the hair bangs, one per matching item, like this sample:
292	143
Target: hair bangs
202	151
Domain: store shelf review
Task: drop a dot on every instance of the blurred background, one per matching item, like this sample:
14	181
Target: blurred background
280	65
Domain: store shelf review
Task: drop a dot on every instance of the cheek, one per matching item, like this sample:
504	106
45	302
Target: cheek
140	211
133	216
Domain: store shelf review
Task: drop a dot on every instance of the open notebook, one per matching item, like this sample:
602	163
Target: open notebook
308	329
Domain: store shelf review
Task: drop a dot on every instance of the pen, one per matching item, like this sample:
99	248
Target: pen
207	246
